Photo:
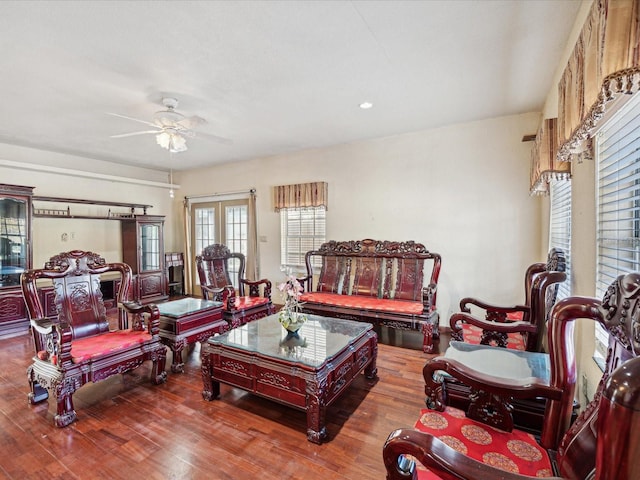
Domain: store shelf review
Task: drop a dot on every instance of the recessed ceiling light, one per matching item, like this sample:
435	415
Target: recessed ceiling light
366	105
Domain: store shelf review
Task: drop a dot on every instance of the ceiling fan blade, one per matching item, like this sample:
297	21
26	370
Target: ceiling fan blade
131	118
191	122
214	138
122	135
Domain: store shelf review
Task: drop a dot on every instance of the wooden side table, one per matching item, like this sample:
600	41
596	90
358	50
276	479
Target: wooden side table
189	320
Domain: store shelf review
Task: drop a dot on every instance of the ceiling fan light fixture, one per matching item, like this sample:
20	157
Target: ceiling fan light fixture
173	142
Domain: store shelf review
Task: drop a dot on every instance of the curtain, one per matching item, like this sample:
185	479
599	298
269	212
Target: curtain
300	195
253	259
188	258
545	165
604	64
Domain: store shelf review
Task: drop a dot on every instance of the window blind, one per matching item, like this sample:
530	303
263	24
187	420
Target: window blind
618	236
560	228
301	230
618	225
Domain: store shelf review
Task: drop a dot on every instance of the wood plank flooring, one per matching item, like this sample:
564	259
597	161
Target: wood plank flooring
130	429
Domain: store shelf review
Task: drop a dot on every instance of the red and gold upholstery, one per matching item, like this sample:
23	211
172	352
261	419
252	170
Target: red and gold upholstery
364	302
516	452
473	334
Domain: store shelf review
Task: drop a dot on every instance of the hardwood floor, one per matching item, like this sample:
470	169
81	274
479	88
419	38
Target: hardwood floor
130	429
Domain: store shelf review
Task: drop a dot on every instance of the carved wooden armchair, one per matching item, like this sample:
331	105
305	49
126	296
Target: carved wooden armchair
215	281
520	327
602	443
79	345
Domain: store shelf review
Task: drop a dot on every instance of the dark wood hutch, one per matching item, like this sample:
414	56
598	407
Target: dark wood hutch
142	249
15	256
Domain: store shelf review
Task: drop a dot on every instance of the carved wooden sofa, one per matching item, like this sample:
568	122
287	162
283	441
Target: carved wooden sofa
520	327
215	282
379	282
80	345
602	443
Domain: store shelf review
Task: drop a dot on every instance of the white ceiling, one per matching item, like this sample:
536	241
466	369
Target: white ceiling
272	76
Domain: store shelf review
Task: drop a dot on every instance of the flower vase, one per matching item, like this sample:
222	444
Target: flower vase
291	321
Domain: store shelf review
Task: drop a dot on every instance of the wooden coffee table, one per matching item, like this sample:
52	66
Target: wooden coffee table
186	321
307	372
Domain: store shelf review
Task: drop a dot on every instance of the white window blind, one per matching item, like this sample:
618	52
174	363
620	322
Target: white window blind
618	177
560	228
301	230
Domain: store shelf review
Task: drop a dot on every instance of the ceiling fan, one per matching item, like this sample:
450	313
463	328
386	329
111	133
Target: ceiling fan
171	128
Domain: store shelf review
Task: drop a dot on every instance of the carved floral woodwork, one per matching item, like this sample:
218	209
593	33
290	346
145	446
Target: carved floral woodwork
365	269
81	317
214	274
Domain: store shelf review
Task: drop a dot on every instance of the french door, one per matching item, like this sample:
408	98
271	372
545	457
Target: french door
223	222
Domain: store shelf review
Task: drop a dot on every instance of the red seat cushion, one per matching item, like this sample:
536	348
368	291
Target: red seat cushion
473	334
84	349
364	302
242	303
515	452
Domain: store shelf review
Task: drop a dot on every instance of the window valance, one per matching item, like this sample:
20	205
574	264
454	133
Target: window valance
545	165
300	195
605	63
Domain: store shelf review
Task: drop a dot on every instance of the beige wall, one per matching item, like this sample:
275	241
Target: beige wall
461	190
100	236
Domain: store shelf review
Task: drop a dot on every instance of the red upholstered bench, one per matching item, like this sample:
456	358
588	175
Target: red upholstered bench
379	282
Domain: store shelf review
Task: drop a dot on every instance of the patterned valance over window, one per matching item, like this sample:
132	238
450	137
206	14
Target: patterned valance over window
545	165
301	195
605	63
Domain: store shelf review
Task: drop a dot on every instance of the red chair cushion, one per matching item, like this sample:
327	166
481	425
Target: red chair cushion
473	334
84	349
515	452
242	303
364	302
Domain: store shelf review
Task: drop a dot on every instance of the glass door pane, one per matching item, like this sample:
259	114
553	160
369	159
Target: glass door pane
150	244
13	240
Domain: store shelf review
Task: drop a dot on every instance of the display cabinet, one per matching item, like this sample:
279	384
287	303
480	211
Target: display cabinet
15	256
174	263
143	250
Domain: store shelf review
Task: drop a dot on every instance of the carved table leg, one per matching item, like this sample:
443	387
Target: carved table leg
316	410
371	370
210	388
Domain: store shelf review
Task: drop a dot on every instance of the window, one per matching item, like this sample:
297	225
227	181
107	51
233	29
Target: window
301	230
560	228
618	222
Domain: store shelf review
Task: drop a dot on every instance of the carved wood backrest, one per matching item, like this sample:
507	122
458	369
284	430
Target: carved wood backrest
75	276
621	316
383	269
409	280
368	276
334	272
213	267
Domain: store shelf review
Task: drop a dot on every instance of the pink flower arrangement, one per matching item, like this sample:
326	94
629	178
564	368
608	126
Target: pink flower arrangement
291	289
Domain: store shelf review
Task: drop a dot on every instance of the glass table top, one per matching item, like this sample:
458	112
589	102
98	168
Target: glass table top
500	362
185	306
319	338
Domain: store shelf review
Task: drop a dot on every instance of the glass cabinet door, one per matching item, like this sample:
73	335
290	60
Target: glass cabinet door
13	240
150	247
